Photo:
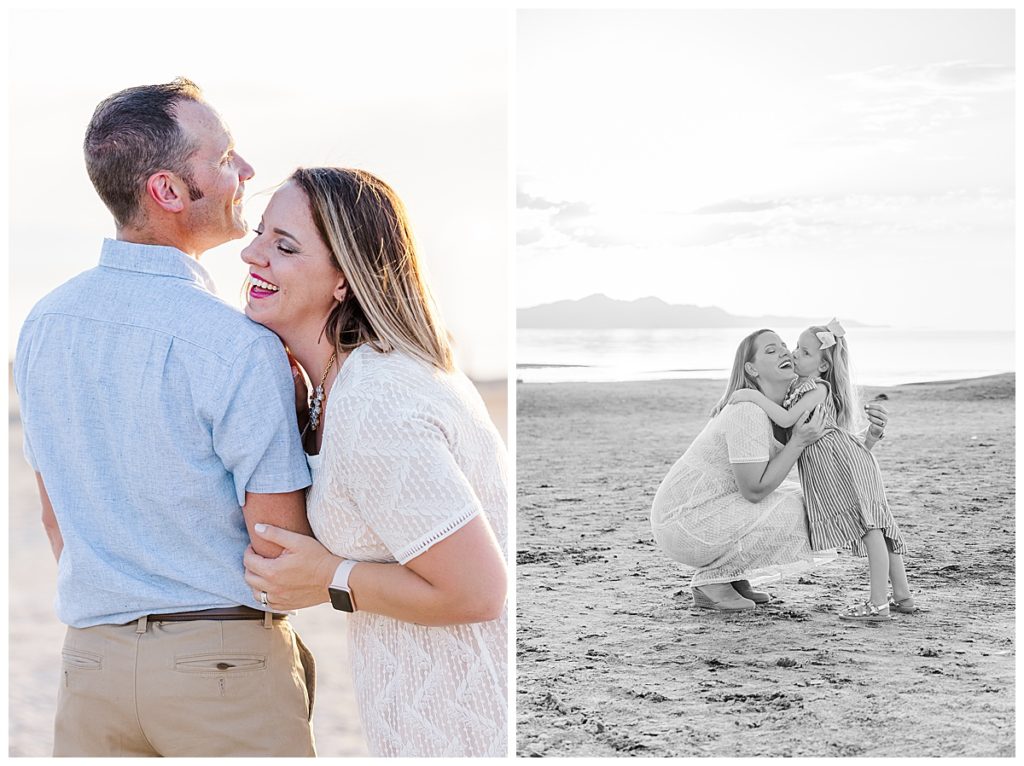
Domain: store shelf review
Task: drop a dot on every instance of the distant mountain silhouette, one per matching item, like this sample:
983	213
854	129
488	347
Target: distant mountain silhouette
599	312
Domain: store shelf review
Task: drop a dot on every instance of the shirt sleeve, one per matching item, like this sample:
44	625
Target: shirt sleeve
255	433
407	485
20	364
748	433
26	448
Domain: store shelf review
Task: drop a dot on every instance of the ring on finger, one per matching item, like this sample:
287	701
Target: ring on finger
263	597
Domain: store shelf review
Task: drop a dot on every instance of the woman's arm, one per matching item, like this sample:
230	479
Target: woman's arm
779	414
460	579
758	480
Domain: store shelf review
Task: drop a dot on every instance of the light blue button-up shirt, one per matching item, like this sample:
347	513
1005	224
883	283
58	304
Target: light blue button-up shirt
150	408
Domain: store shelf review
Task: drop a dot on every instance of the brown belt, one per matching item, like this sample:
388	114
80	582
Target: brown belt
224	613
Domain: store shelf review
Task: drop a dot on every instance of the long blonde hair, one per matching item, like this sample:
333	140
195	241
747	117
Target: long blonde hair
363	223
839	379
739	378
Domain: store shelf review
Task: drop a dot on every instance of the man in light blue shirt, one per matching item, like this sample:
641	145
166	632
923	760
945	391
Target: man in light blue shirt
161	424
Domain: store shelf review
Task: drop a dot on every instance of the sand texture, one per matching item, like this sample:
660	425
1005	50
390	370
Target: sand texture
36	636
612	658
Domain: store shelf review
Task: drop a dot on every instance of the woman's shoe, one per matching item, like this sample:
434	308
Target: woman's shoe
867	612
903	606
743	588
734	603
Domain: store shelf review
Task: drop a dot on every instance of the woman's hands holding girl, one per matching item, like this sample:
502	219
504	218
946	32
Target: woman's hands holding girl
756	481
813	428
810	429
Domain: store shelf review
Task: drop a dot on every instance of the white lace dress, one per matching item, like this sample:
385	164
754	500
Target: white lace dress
700	519
409	456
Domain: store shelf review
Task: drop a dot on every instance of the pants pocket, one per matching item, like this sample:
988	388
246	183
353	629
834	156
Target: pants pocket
220	663
309	670
77	659
74	661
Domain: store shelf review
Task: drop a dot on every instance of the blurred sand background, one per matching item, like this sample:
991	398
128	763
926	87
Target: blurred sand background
612	659
35	635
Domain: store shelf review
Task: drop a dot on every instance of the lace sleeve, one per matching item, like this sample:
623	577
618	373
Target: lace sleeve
407	485
748	433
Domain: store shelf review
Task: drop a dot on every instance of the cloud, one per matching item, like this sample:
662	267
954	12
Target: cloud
719	233
598	236
524	200
834	221
571	213
570	220
737	206
946	78
529	236
964	74
899	104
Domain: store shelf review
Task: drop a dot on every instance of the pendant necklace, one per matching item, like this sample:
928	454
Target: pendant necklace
316	408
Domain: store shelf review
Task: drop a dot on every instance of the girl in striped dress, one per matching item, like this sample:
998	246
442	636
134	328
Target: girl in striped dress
842	485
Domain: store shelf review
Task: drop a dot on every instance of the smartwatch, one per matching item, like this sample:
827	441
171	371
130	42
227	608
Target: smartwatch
341	595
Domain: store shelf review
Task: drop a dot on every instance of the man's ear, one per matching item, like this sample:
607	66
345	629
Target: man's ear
750	370
341	289
166	190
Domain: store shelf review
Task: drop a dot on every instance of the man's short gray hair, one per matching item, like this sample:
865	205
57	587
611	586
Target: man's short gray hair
133	134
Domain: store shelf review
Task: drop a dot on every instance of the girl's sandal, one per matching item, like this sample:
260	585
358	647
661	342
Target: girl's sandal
904	606
867	612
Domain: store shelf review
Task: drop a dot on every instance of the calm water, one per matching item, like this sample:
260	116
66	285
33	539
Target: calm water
880	356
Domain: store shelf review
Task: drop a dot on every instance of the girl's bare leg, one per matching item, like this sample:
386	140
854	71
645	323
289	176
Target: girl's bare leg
897	574
878	566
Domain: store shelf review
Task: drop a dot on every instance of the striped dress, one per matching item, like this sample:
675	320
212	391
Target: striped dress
842	485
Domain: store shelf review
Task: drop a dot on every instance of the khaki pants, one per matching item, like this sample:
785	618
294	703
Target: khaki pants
197	688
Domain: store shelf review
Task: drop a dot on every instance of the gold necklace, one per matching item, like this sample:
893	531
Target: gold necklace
318	396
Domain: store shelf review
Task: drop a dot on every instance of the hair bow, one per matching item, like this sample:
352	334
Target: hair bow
834	332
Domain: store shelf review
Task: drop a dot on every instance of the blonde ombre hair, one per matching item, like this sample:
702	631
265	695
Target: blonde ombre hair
739	377
363	223
840	380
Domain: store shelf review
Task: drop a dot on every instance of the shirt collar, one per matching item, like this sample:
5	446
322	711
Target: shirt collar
154	259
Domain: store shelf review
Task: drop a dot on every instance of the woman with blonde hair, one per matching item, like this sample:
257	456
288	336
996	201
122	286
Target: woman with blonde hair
725	507
409	494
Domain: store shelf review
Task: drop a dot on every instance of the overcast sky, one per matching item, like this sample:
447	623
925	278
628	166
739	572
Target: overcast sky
417	97
817	163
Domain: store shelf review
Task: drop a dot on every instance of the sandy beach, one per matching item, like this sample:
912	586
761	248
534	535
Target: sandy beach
612	659
36	636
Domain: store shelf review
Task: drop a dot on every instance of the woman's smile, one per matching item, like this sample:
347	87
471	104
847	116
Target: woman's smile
292	277
260	288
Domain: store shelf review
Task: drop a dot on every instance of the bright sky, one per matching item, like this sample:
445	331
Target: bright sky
417	97
815	163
